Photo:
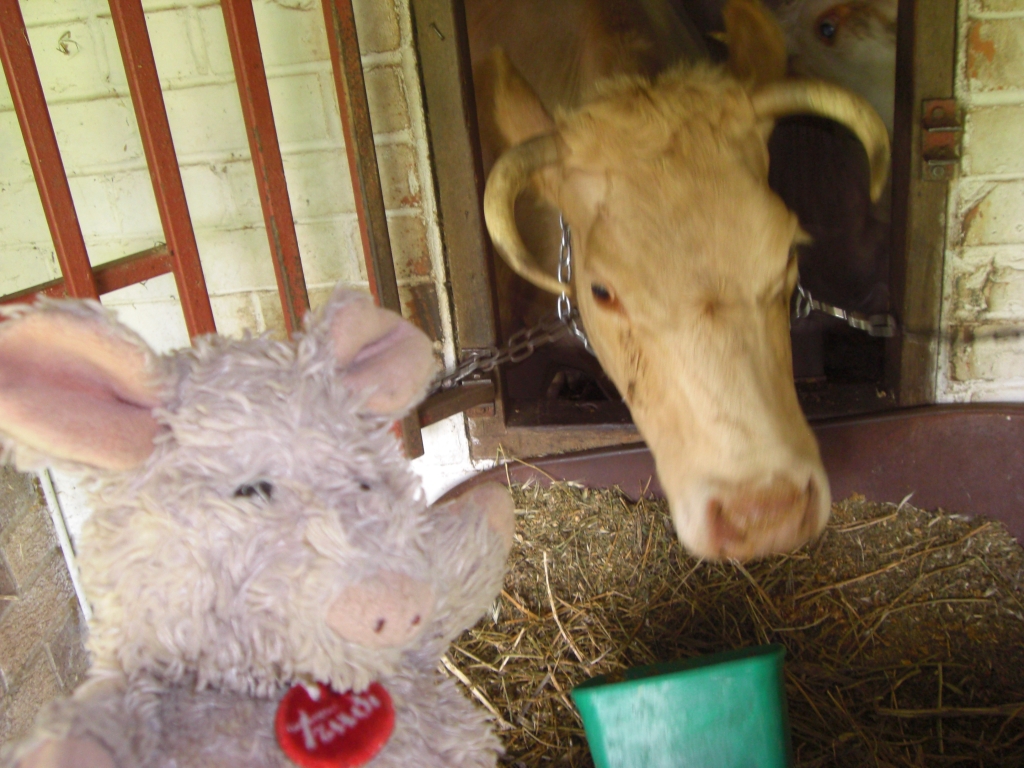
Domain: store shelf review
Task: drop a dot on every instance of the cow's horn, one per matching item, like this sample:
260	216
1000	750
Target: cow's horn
508	178
802	97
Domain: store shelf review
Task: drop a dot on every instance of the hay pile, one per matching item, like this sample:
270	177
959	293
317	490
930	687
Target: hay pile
904	628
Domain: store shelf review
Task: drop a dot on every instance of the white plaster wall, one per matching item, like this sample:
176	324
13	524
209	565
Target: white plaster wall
79	64
983	300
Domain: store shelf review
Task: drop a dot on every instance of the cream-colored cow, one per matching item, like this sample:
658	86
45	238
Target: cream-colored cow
684	258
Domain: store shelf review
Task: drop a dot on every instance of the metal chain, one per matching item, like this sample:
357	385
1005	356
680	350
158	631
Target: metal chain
523	343
883	326
566	320
567	313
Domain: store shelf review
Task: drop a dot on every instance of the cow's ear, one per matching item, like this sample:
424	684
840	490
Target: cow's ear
518	112
757	45
76	386
378	353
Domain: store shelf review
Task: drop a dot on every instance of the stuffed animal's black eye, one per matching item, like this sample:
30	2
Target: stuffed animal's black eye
262	489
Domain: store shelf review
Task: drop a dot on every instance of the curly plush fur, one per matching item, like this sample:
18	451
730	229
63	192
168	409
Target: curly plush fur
270	511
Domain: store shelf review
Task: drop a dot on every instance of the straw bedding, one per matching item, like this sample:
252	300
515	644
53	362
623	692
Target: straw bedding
904	628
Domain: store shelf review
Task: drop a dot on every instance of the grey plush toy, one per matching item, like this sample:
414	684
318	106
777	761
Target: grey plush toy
268	584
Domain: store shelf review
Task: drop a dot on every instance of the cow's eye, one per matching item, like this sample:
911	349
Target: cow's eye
262	490
828	27
603	296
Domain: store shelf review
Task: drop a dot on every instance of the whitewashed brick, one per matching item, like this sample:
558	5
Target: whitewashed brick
131	194
998	6
995	54
385	93
988	357
992	140
398	175
172	48
37	12
69	59
206	119
94	204
235	314
14	165
222	194
29	225
103	250
98	132
290	35
376	25
159	321
319	184
987	284
215	40
998	218
298	109
331	251
236	259
409	247
25	265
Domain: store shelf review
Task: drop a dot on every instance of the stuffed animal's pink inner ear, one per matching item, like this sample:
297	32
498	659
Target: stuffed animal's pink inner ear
72	389
380	354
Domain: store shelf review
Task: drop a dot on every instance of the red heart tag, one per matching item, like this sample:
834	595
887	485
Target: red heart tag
336	730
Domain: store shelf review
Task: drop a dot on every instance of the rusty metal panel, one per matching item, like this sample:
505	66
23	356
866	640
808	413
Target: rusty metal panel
443	46
963	458
362	154
251	77
148	101
43	153
109	277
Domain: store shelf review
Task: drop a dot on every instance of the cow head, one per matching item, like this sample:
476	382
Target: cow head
849	43
684	267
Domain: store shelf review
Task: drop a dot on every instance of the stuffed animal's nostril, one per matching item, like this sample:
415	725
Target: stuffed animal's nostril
379	626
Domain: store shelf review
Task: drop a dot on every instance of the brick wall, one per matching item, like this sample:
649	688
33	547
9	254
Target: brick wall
41	639
80	67
984	271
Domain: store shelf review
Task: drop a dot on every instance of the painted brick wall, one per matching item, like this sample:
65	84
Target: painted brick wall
983	303
41	648
77	56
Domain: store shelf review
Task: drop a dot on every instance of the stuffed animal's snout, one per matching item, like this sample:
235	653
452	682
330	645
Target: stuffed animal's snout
386	611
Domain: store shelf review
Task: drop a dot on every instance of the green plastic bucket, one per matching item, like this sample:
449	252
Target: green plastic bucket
727	710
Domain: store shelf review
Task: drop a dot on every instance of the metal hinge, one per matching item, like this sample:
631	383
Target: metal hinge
942	128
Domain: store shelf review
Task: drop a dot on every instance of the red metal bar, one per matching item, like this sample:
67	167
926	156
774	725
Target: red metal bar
140	68
362	154
43	153
109	277
251	77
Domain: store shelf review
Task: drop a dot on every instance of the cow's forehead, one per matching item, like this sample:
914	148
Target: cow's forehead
684	231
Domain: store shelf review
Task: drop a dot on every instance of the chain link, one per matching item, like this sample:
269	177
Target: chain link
563	321
883	326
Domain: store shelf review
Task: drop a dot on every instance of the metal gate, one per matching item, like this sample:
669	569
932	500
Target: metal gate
179	254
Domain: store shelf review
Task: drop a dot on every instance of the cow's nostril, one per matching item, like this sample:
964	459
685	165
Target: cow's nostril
810	519
415	620
379	626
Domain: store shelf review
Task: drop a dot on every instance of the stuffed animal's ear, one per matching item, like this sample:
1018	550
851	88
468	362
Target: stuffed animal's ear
757	45
379	353
77	386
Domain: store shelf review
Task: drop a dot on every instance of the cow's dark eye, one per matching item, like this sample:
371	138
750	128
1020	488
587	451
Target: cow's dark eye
364	486
604	296
263	490
828	28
